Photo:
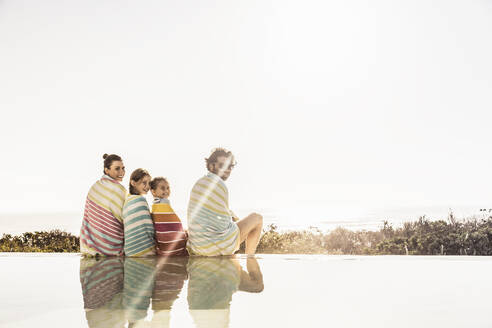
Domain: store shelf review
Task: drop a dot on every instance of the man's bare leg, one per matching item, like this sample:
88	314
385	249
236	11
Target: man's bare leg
251	281
250	231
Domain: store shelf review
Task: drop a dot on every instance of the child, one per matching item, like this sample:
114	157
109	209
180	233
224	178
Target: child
138	225
170	236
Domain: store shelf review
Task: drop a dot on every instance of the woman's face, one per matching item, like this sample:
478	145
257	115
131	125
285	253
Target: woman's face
142	186
116	170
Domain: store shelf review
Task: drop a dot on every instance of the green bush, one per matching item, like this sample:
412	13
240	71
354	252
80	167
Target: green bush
54	241
422	237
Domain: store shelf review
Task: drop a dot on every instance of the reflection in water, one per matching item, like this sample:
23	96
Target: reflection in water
138	287
118	291
212	283
102	288
169	280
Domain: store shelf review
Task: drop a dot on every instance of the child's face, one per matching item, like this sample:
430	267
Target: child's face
142	186
162	190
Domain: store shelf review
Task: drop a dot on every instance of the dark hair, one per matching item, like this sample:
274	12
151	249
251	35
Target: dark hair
216	153
109	159
136	176
155	181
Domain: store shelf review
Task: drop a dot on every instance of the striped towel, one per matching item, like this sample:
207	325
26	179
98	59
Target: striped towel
212	282
169	281
138	287
169	233
139	228
102	289
211	229
112	315
102	226
101	280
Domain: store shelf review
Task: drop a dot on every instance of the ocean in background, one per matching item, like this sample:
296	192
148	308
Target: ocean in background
292	219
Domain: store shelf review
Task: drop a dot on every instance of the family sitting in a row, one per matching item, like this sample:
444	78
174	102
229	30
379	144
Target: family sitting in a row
117	224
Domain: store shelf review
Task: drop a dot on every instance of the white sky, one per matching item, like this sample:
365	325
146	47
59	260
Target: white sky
334	106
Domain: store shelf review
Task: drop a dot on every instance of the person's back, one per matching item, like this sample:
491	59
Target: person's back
139	229
169	233
210	227
102	225
138	225
213	229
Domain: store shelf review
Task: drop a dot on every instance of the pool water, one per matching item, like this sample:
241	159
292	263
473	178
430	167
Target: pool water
65	290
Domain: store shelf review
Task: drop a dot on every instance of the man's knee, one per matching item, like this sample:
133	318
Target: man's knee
258	219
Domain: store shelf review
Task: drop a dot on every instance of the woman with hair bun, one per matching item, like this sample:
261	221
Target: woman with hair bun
102	226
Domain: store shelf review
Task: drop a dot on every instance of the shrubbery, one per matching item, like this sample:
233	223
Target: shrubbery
54	241
422	237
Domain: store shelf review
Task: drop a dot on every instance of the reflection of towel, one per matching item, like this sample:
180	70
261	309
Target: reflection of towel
102	226
109	316
211	229
138	287
170	236
102	286
161	318
100	280
212	281
139	229
169	281
211	318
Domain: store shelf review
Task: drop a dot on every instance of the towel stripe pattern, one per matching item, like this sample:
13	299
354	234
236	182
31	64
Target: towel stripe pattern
211	229
138	287
102	289
218	276
170	235
101	280
138	227
102	225
169	281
